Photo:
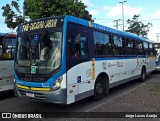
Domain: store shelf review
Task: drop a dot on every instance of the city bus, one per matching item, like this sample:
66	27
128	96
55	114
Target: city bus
7	49
65	59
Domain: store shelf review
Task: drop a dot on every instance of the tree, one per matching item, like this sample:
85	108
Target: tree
137	27
11	17
46	8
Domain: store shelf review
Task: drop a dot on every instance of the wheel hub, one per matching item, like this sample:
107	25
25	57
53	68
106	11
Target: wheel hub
99	88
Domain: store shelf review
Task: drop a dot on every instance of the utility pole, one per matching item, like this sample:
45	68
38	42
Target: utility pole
123	12
117	23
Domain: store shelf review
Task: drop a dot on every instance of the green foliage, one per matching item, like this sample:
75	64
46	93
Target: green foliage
46	8
11	17
137	27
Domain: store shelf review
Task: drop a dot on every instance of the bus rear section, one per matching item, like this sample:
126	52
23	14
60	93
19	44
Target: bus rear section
7	49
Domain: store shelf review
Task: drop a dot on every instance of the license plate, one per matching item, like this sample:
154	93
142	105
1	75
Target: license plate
29	94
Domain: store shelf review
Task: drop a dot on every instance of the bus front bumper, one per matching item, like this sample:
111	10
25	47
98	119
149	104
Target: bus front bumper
58	96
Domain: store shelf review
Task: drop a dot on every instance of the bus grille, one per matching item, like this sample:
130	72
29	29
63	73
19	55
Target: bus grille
33	79
37	96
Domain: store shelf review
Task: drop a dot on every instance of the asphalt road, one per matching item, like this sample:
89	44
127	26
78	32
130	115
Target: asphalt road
10	103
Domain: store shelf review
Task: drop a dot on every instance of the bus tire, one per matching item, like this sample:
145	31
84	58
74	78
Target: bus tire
143	74
99	89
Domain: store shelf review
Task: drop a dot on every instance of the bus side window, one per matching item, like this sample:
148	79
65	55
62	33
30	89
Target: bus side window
70	44
98	43
140	48
76	46
117	46
107	44
11	45
76	42
83	47
80	47
128	46
5	52
145	46
123	46
123	42
151	49
133	49
102	43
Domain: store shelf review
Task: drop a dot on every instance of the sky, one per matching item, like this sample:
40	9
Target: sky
104	12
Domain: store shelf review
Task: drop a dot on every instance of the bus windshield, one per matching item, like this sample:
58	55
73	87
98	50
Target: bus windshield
39	53
39	46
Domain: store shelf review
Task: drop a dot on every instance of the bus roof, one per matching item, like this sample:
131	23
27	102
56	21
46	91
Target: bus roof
83	22
104	28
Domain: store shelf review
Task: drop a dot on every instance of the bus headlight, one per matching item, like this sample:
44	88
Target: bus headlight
57	84
14	81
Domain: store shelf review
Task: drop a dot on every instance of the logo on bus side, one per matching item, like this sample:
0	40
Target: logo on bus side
118	64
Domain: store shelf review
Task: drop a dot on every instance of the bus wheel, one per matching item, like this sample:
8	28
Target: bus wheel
143	74
99	88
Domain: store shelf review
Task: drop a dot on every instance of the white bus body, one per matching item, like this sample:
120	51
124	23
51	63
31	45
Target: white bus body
7	46
6	75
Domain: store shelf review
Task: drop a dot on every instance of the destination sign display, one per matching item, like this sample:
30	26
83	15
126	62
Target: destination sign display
39	25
